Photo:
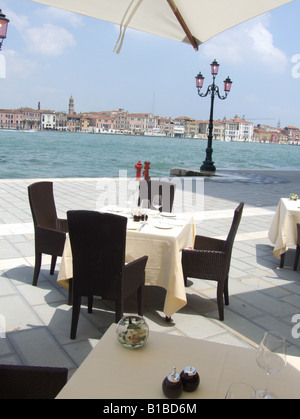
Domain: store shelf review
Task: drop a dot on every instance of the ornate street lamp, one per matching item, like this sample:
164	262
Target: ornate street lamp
3	28
213	90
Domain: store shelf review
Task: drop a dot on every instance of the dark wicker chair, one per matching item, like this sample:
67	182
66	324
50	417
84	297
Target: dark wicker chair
297	254
210	259
50	231
98	243
26	382
149	188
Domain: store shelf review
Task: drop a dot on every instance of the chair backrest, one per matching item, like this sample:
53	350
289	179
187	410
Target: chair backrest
31	382
149	188
234	227
42	205
98	243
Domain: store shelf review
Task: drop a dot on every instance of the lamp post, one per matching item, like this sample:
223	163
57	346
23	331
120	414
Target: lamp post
213	90
3	28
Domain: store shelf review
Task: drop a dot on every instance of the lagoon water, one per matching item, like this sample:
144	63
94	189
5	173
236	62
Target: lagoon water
47	154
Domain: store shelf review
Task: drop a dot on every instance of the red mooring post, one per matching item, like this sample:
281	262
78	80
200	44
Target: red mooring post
138	167
146	170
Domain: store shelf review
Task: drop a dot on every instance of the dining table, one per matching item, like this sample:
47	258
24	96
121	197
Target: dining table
112	371
161	237
283	229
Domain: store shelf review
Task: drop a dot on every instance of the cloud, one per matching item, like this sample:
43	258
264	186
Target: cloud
18	67
263	46
251	42
73	19
49	39
20	22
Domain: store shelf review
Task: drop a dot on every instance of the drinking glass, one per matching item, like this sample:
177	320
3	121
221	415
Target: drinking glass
271	357
240	391
157	202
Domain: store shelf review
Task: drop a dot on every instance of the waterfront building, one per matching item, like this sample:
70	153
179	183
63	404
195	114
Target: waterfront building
48	120
61	121
11	119
293	134
238	129
73	123
99	123
136	123
178	129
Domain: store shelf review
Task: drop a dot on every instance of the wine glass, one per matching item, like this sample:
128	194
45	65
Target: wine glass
271	357
157	202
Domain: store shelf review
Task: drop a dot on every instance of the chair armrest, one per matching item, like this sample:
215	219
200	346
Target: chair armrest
50	232
134	274
208	243
205	264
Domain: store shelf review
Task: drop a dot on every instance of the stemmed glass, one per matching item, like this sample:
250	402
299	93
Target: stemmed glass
157	202
271	357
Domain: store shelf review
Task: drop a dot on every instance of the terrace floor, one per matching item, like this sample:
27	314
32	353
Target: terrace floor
262	296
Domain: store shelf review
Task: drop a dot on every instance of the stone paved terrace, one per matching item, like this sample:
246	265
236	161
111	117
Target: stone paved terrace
262	296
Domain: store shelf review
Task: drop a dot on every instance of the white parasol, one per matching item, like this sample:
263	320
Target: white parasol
190	21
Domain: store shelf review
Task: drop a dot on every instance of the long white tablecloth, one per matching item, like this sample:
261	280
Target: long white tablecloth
113	372
283	230
162	239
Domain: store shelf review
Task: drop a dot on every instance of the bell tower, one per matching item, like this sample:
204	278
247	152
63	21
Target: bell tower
71	106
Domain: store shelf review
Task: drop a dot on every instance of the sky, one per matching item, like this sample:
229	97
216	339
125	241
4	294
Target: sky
50	54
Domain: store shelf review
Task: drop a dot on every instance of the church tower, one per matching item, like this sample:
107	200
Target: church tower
71	106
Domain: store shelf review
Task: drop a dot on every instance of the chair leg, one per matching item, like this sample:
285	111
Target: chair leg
220	297
75	316
297	257
37	268
282	257
53	263
90	304
226	294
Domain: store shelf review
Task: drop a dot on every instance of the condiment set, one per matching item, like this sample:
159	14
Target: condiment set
174	384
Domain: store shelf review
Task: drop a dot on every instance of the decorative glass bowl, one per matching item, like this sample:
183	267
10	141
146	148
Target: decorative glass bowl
293	196
132	331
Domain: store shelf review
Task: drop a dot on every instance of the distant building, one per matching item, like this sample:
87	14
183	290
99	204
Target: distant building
48	120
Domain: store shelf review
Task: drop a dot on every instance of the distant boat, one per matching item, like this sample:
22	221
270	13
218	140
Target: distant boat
155	133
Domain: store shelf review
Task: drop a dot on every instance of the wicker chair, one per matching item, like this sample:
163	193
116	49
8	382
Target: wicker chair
98	243
26	382
210	259
50	231
297	255
149	188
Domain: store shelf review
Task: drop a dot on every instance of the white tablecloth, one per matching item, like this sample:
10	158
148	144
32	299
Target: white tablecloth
113	372
162	240
283	230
